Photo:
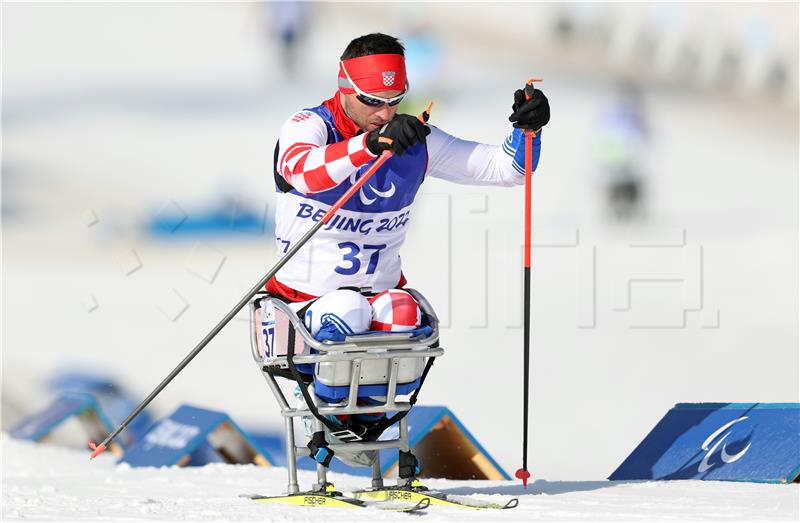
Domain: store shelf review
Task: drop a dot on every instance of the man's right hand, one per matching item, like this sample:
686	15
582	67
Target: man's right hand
397	136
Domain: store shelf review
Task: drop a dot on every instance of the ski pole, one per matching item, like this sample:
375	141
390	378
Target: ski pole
98	449
523	473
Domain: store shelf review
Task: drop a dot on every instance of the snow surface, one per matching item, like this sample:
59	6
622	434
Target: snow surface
50	483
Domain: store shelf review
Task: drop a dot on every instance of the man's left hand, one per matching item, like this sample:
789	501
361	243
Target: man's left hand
531	114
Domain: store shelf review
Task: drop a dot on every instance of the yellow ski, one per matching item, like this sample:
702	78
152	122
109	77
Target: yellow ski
417	492
315	499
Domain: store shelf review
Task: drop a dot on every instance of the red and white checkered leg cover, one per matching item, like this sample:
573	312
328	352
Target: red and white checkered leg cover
396	311
308	164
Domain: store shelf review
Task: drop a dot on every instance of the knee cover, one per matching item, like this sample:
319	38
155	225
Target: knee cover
395	310
343	311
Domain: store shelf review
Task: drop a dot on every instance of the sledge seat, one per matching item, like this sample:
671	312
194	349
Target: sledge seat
388	368
342	363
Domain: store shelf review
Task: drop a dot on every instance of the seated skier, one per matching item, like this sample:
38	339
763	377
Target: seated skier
321	153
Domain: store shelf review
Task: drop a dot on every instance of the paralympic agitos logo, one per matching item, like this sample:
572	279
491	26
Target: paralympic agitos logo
725	457
366	200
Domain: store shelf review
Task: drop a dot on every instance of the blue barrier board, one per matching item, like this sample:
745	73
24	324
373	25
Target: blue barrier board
758	442
184	438
116	403
65	406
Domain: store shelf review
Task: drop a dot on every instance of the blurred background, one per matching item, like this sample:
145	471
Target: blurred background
137	200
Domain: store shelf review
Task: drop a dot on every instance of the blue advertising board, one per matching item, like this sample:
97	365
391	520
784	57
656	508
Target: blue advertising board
757	442
114	401
195	436
67	405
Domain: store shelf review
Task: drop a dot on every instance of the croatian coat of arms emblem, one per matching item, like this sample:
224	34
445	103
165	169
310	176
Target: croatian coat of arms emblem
388	78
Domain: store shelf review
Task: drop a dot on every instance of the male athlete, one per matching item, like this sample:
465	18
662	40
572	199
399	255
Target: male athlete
323	150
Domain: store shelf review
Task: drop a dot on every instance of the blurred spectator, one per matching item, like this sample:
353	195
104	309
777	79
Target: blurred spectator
622	138
288	21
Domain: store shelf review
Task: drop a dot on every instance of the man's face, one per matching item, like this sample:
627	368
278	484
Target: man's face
368	118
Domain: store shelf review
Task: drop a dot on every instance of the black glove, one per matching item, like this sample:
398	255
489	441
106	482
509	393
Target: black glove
398	135
531	114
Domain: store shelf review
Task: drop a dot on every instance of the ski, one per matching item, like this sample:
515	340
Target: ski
316	499
418	492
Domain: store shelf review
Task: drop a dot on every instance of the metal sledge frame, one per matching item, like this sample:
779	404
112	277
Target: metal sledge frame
391	347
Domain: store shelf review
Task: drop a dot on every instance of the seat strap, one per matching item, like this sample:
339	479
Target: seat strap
301	383
376	430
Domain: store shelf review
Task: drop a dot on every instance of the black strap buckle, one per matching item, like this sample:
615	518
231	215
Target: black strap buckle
408	465
319	450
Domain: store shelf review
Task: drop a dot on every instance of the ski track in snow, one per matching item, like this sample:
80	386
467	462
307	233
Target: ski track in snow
48	483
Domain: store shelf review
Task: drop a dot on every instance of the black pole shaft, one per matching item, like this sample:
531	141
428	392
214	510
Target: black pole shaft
526	364
228	317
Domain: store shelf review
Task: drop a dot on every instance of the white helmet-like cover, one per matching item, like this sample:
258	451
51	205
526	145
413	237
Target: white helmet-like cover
343	311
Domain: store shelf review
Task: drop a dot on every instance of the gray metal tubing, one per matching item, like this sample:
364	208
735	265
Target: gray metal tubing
361	409
377	477
358	446
253	335
374	344
355	377
291	457
426	307
322	477
391	389
318	358
404	434
277	392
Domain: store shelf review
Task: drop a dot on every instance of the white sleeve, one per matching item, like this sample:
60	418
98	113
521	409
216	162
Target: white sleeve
463	161
303	127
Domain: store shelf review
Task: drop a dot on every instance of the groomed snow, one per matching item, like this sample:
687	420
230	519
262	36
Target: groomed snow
43	482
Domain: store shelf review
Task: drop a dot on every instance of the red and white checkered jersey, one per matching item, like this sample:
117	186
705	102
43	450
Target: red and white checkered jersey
309	165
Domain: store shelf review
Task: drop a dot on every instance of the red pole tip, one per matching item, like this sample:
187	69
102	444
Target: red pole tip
98	449
523	475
